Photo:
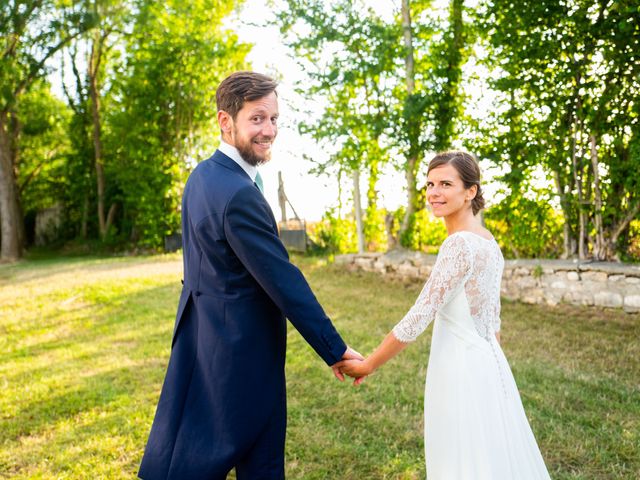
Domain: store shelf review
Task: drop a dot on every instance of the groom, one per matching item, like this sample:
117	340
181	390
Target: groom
223	401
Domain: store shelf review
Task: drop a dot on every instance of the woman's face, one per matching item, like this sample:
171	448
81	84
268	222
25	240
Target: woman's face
445	191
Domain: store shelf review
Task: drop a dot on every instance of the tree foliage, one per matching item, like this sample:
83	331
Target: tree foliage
566	74
139	78
389	86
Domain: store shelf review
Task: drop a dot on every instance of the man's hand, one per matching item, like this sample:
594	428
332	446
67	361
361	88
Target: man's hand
349	354
358	369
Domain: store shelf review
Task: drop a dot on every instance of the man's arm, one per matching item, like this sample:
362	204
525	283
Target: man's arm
250	234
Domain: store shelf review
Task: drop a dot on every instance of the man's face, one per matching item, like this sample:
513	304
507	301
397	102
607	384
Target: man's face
253	130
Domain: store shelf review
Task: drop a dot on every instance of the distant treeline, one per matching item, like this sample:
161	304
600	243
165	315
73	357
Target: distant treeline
557	114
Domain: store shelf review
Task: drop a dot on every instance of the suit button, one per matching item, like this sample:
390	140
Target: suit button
196	293
182	281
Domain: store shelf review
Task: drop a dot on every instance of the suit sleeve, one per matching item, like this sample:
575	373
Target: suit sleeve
250	234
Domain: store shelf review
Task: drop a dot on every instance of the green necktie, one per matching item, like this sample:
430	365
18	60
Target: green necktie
259	183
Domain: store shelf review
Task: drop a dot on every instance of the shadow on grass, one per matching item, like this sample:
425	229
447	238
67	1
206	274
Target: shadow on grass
109	340
91	392
113	319
43	268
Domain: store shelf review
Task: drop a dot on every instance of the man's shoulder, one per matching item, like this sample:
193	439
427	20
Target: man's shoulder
214	182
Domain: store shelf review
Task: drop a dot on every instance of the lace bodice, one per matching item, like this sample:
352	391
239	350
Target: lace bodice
466	260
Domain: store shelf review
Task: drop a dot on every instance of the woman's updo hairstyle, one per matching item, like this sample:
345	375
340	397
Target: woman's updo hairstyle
467	167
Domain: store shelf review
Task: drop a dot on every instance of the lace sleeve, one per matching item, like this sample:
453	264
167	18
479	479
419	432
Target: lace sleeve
449	273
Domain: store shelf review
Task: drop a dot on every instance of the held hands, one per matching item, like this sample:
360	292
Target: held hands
349	354
358	369
352	364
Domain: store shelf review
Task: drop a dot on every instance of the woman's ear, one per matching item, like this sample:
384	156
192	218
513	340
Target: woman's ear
473	191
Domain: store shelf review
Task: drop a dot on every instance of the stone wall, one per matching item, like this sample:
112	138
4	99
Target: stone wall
531	281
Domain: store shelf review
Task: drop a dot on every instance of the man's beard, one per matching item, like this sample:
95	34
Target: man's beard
248	155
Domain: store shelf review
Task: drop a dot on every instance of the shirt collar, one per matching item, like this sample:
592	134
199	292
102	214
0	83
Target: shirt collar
233	153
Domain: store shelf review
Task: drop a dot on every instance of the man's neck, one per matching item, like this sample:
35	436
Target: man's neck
232	152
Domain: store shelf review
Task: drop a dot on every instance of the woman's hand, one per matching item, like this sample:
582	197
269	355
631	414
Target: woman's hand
358	369
355	368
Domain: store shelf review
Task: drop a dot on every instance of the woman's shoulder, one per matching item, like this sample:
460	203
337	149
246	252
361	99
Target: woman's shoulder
480	233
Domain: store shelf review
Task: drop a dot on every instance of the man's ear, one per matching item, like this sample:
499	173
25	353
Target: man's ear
225	122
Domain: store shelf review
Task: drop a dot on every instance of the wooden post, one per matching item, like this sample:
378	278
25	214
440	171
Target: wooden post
282	198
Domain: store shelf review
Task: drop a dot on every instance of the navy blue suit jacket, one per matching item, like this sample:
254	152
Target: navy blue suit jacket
226	371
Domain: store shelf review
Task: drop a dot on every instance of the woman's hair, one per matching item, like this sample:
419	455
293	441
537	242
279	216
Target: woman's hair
468	169
240	87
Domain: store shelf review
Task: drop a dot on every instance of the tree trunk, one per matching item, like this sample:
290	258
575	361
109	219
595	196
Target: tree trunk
10	217
412	160
94	67
94	93
568	240
600	248
619	227
358	210
577	176
85	217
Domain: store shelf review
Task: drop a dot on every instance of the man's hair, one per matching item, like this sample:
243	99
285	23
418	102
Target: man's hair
240	87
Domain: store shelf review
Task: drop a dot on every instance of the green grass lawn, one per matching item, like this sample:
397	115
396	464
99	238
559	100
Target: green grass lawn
84	344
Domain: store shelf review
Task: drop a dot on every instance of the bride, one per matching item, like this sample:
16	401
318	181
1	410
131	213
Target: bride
475	427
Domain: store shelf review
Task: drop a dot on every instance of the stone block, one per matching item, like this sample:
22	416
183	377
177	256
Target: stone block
632	280
380	267
521	271
594	276
425	271
616	278
632	302
534	295
345	259
573	276
552	300
525	282
578	298
558	285
407	270
608	299
364	263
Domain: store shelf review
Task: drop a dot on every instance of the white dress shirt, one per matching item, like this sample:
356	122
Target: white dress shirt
233	153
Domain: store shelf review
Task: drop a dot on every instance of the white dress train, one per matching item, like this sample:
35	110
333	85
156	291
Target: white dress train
475	427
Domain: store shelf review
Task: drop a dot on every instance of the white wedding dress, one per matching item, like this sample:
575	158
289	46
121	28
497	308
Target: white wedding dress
475	427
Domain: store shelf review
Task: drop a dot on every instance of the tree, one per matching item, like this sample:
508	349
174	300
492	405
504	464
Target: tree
44	146
568	76
95	68
161	121
390	86
32	31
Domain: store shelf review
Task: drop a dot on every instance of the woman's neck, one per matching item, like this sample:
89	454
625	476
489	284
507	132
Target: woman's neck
463	219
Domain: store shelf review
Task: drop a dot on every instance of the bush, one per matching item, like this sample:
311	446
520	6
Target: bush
526	228
334	234
425	233
375	231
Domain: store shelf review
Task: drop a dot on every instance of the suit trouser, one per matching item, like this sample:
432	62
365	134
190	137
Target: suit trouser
265	459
